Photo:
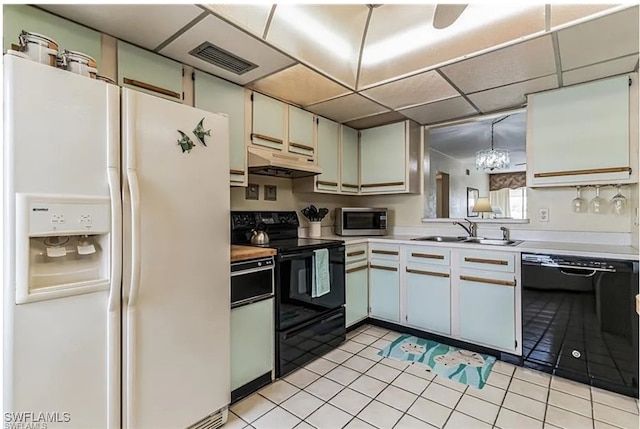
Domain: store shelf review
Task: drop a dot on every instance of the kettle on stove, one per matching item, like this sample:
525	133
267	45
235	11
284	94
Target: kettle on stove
259	235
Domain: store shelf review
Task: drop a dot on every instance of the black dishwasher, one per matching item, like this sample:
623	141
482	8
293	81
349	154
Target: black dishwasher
579	320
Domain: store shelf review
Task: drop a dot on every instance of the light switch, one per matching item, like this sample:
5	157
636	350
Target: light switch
543	215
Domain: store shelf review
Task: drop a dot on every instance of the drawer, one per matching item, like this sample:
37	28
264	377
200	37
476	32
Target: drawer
385	251
492	261
356	252
428	255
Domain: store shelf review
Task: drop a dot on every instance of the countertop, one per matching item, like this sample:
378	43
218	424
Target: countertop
556	248
243	253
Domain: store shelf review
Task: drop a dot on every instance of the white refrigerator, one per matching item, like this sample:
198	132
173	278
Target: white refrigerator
115	255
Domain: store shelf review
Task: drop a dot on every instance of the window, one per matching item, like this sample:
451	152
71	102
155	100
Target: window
518	203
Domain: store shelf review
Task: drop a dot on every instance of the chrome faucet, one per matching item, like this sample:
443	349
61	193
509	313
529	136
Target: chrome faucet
505	233
472	229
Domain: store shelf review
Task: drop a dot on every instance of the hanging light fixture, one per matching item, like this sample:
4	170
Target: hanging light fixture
493	159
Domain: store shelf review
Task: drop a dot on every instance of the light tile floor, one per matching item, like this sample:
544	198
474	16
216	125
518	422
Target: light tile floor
352	387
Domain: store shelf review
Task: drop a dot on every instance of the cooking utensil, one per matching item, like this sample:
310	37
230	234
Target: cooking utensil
322	213
259	235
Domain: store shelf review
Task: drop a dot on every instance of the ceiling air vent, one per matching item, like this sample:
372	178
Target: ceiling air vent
217	56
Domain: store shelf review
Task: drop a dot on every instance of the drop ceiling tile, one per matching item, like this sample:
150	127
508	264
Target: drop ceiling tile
347	108
251	17
226	36
376	120
514	95
401	39
601	70
299	85
145	25
566	13
523	61
440	111
419	89
605	38
327	36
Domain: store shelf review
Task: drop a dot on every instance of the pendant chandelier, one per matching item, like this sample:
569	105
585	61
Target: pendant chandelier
493	159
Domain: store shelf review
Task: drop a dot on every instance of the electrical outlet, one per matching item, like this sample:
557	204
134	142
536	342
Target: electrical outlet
543	215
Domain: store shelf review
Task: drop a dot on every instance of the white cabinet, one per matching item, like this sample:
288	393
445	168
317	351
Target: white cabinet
252	340
301	129
384	290
428	297
357	292
487	304
386	155
349	170
268	119
148	72
581	134
328	155
219	96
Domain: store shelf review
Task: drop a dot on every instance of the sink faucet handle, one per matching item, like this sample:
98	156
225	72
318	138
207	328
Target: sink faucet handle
505	232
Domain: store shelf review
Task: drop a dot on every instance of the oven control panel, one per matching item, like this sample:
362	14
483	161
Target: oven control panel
252	219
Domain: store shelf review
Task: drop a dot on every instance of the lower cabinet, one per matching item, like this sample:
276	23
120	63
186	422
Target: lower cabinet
357	293
487	308
428	294
384	290
252	342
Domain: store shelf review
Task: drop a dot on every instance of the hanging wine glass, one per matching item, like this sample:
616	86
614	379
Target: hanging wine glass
618	202
579	204
598	204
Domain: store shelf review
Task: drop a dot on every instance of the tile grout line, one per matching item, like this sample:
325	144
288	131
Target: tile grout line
506	391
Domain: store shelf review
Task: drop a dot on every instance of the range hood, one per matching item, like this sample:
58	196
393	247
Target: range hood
271	163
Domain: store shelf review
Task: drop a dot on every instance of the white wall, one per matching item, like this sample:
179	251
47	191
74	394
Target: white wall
458	183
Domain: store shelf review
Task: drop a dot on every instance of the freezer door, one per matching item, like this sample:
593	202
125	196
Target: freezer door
176	293
61	138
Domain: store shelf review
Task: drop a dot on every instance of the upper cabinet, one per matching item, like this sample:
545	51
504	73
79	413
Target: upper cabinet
389	158
328	155
583	134
349	169
147	72
269	119
301	129
219	96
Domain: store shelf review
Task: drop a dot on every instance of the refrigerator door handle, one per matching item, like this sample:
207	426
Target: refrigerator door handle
116	238
134	188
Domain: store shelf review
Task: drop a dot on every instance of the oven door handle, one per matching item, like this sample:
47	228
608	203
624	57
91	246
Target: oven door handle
300	255
589	274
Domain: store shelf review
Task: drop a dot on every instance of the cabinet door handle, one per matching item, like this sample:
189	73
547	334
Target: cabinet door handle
427	256
300	146
577	172
153	88
427	273
322	182
385	252
376	185
489	281
359	252
267	138
236	171
348	185
382	267
486	261
353	270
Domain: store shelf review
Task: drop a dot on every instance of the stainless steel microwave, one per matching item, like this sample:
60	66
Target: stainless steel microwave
361	221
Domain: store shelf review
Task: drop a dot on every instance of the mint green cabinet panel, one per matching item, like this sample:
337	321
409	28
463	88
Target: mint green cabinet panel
148	68
349	168
301	132
429	298
328	135
268	121
357	293
486	260
384	290
67	34
219	96
251	342
487	313
383	157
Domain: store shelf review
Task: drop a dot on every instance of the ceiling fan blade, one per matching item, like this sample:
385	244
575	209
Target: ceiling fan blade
446	14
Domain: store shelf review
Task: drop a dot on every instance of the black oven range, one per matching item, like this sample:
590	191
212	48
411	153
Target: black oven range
307	325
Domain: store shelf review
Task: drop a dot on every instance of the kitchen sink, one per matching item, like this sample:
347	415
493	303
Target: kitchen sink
440	238
492	241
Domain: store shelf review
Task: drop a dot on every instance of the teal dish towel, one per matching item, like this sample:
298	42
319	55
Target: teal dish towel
321	284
